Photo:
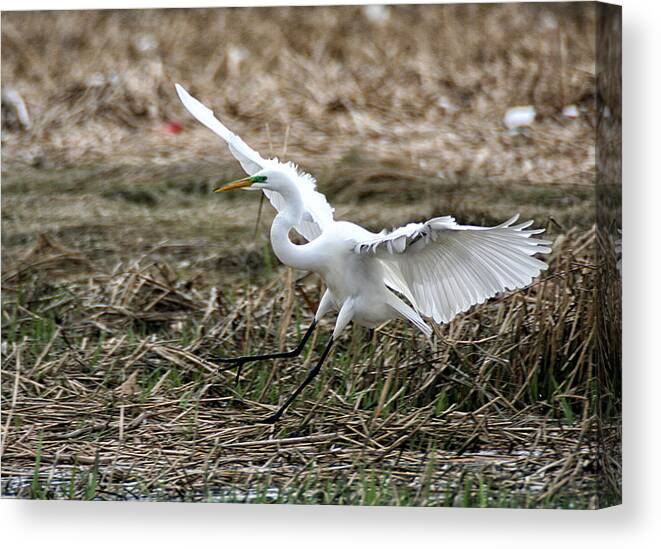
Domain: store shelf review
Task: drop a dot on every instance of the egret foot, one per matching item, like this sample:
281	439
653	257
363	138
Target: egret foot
269	420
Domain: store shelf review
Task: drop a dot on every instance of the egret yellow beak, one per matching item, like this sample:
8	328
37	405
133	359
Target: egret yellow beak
241	183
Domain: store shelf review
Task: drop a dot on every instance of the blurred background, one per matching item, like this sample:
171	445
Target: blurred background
473	110
423	86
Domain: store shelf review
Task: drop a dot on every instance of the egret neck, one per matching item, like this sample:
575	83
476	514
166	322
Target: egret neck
289	253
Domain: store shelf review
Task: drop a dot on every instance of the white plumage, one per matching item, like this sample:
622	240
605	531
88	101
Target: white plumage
444	268
319	213
440	267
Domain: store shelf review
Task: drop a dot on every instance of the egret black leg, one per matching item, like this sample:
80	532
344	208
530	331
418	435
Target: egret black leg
311	375
285	354
241	360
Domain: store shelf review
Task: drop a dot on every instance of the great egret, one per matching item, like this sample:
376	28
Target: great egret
441	268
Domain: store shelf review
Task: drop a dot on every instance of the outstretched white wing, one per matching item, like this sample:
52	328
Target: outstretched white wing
318	211
444	268
250	160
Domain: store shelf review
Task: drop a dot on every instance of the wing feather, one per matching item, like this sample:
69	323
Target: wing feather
444	268
251	161
318	212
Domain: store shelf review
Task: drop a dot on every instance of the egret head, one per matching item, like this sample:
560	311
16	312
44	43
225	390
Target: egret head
270	180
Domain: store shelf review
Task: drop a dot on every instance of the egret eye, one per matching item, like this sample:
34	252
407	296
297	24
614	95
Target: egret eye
258	178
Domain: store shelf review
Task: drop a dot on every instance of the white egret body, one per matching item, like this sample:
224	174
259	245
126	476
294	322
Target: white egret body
440	267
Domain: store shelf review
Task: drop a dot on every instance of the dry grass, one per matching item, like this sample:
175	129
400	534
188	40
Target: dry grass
427	89
112	390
